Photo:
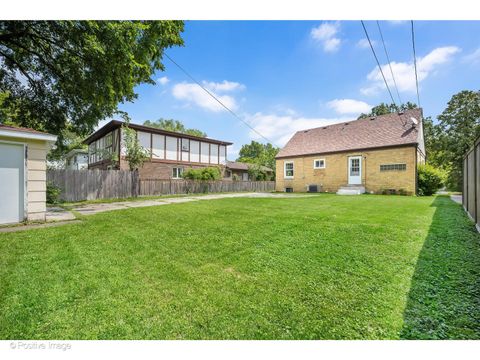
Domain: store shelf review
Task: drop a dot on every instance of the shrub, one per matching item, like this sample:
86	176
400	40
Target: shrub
53	193
209	173
430	179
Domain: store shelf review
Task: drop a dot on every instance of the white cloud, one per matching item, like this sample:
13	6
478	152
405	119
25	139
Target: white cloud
363	43
349	106
163	80
473	57
224	86
404	72
194	94
280	128
397	22
232	152
326	33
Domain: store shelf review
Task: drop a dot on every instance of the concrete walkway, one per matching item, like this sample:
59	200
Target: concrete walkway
91	209
456	198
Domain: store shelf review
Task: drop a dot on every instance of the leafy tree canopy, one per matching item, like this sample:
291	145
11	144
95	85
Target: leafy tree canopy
384	109
458	127
174	125
56	75
258	153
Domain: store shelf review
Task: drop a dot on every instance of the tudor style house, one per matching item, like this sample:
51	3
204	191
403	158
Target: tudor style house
170	152
375	154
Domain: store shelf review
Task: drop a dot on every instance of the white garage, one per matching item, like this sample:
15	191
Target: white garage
23	166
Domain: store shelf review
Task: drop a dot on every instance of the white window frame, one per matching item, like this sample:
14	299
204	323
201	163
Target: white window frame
285	170
319	167
179	173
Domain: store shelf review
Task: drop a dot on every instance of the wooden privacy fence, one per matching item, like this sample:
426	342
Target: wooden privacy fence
471	182
168	187
78	185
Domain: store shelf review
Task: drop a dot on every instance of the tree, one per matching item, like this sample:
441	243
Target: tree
434	143
60	74
384	109
258	153
459	124
135	154
173	125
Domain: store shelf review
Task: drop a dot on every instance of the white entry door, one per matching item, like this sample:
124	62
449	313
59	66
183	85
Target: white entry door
355	170
11	183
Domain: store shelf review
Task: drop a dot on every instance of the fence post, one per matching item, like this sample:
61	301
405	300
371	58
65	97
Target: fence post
475	181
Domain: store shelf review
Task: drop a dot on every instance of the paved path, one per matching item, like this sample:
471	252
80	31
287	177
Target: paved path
59	216
36	226
98	208
456	198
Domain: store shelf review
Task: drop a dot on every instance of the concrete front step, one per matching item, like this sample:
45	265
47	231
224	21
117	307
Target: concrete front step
351	190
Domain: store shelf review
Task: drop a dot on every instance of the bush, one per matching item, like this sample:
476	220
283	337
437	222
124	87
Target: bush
209	173
53	193
430	179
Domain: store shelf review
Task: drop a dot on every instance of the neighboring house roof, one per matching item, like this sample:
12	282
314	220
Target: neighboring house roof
27	133
114	124
75	152
372	132
235	165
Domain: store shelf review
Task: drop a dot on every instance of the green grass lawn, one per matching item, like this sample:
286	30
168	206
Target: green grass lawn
323	267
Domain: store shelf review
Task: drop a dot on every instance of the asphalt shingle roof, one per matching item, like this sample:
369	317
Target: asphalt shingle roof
385	130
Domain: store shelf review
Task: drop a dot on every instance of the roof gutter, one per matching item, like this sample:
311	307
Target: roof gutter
346	151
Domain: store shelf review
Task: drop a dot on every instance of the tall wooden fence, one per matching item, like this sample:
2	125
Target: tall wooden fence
78	185
471	182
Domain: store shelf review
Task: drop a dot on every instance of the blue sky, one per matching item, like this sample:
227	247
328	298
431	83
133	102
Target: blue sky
284	76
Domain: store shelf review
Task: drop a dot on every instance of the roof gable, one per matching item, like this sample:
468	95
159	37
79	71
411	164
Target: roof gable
382	131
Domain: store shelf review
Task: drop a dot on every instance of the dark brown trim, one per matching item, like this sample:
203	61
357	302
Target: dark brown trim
189	149
416	170
165	147
151	147
475	184
346	151
179	162
179	155
114	124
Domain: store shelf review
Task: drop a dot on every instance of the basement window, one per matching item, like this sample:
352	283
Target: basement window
288	170
319	164
393	167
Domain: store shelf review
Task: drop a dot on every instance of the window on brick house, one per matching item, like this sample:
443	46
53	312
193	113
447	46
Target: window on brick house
177	173
393	167
288	169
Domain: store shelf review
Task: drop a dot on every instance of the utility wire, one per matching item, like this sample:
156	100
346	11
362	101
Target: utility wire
389	63
216	99
378	63
415	63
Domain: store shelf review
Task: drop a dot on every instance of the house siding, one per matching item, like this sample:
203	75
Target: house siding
35	176
335	173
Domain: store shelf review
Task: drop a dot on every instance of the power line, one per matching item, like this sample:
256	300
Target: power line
415	63
378	63
389	63
216	99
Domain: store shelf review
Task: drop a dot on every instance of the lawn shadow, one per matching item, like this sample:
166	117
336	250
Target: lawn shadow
444	297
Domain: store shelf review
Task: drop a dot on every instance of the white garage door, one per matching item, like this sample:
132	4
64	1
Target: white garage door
11	183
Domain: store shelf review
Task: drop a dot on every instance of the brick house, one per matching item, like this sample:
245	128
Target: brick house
376	154
239	171
170	152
